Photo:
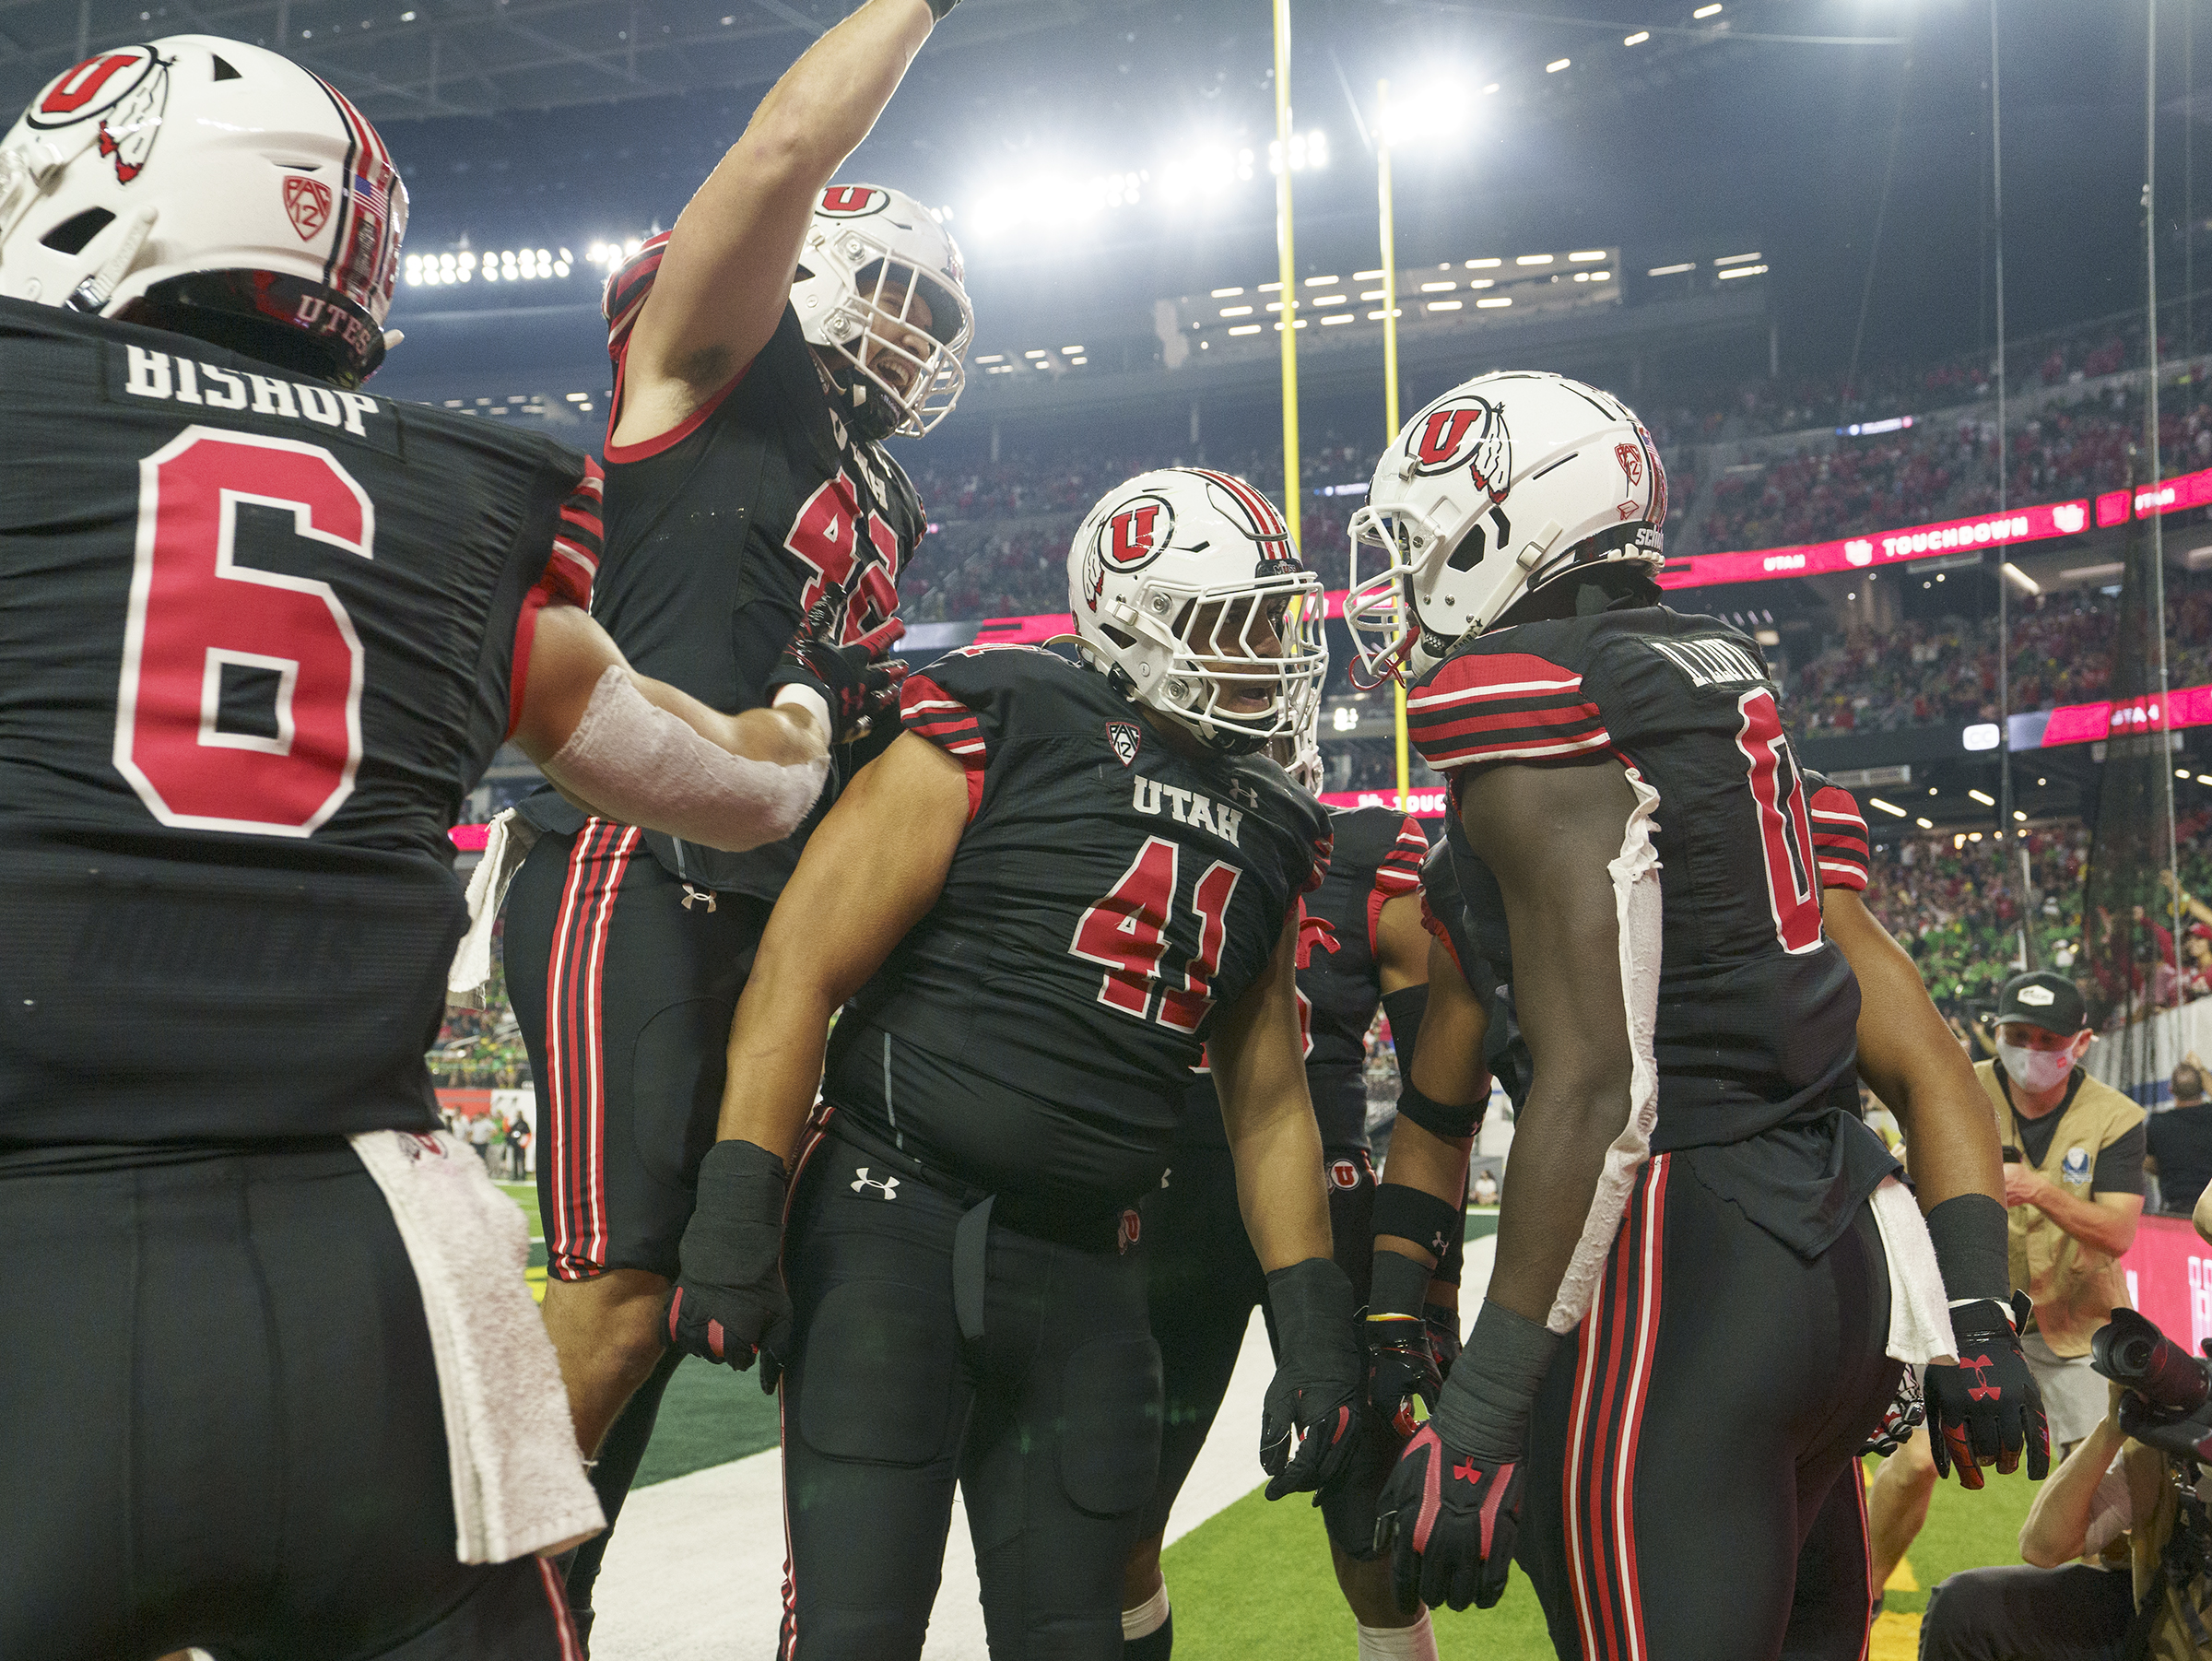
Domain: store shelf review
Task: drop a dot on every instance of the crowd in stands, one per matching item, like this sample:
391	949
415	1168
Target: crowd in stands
1925	674
481	1049
1959	908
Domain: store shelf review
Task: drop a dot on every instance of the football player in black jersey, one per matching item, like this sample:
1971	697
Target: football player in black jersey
261	633
1362	948
1076	876
1692	1196
762	349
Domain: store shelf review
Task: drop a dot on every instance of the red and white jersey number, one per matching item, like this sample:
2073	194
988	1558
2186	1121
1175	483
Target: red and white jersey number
195	612
1127	932
1785	830
827	536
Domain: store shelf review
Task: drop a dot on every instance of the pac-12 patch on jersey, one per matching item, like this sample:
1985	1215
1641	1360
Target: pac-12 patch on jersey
1126	737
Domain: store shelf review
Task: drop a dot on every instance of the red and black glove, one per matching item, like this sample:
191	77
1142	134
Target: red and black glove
1456	1519
1987	1410
1315	1395
729	1304
1401	1353
859	686
1443	1336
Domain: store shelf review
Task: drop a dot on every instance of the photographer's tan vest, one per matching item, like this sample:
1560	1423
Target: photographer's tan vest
2075	1286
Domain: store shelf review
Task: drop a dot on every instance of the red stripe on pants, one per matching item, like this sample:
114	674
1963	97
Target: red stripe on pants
1612	1385
576	1048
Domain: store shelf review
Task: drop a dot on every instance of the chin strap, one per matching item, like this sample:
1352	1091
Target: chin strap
92	295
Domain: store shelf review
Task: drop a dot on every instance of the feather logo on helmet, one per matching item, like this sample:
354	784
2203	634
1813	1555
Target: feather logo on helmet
127	92
1469	433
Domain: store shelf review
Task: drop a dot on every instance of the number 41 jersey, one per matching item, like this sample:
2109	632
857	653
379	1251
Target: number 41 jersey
1758	1010
1034	1033
255	646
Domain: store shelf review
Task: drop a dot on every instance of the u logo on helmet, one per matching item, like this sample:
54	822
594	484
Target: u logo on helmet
1132	538
125	90
1469	433
853	201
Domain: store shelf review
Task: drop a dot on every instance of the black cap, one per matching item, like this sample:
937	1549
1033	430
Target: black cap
2041	998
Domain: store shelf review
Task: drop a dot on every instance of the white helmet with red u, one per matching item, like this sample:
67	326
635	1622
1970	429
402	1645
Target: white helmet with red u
1505	482
1187	593
881	289
212	188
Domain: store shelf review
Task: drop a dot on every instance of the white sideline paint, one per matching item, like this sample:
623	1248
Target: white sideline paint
696	1569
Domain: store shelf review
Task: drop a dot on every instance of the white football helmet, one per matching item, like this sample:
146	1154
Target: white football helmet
1499	485
871	255
210	187
1188	594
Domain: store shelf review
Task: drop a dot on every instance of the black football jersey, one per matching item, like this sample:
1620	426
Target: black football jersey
257	640
1377	857
1756	1008
722	532
1035	1032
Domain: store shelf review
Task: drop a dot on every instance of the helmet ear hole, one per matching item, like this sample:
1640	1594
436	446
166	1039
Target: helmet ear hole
71	235
1469	553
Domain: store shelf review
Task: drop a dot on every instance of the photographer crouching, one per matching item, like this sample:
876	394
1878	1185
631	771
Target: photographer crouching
2118	1543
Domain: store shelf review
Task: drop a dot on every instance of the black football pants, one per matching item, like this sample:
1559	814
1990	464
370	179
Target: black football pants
2076	1612
1049	1422
219	1426
1692	1491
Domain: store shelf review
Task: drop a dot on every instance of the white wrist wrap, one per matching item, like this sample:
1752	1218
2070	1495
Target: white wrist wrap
643	765
792	695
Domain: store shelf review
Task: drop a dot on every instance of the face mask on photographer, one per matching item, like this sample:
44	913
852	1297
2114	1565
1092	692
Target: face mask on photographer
2036	1070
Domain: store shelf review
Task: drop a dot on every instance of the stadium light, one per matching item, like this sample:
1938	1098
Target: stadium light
1430	113
1986	800
1556	64
1309	152
1638	39
1886	807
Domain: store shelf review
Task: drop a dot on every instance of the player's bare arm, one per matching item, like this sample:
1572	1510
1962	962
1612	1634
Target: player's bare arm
1548	834
727	272
637	749
1309	1427
872	868
1447	1067
1909	1058
1265	1108
1401	945
898	823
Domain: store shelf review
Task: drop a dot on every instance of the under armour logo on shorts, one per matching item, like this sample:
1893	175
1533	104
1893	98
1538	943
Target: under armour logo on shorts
886	1186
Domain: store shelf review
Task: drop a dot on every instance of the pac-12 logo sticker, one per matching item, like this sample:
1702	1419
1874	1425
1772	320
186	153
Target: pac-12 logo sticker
1631	457
853	201
1470	433
307	201
1126	739
125	90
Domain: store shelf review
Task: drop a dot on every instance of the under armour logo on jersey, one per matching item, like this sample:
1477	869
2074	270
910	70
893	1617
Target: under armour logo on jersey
1125	738
886	1186
702	896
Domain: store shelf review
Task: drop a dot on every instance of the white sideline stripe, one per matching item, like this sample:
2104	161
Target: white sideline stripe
696	1569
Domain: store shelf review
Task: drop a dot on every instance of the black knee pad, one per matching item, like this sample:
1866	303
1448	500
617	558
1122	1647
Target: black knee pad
879	1376
1110	1448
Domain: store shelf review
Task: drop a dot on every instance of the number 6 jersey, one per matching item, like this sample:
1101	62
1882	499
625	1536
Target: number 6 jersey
1758	1010
1035	1032
256	637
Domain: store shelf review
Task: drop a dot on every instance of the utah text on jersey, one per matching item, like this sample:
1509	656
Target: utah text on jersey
1710	661
1190	807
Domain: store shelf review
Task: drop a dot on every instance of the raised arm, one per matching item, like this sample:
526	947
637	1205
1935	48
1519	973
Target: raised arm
899	824
1259	1073
727	273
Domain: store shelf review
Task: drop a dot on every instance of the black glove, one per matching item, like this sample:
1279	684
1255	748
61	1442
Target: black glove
1316	1387
1443	1336
855	682
1455	1518
1451	1507
1987	1408
2182	1438
1400	1358
729	1303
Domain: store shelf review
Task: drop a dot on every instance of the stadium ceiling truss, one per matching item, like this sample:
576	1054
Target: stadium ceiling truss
415	59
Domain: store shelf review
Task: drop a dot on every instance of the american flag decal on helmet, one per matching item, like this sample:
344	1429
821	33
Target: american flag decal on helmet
362	258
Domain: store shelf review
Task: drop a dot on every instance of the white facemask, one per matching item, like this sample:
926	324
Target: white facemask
2036	1070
